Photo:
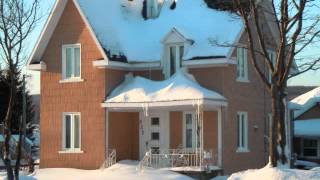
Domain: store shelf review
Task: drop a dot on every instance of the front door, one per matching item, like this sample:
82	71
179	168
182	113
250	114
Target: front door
154	132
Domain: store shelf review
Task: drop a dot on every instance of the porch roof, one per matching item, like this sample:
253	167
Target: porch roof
179	90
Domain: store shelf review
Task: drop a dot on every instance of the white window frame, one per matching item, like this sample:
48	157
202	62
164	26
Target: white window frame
184	128
71	149
178	61
273	60
302	148
242	57
243	148
66	79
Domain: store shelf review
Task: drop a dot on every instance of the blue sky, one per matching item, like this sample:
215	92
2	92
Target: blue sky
310	78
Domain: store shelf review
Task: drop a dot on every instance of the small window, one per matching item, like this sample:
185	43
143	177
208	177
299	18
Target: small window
242	64
242	131
155	136
272	57
310	148
176	53
71	61
155	121
71	131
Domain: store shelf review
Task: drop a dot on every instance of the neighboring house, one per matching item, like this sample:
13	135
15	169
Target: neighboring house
307	126
111	80
295	91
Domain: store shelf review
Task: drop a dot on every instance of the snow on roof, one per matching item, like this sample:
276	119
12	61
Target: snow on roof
181	86
121	29
306	101
307	128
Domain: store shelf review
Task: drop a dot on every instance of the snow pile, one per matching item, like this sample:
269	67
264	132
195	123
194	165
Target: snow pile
307	128
306	101
121	29
181	86
306	164
124	170
268	173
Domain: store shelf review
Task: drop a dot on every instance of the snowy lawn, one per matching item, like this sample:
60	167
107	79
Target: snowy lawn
268	173
124	170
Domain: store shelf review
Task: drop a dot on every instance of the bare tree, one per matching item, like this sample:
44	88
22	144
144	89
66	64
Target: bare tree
296	31
17	20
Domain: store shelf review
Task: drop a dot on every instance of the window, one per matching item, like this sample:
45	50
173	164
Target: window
175	56
71	131
242	131
272	57
155	136
71	61
242	64
155	121
189	130
310	148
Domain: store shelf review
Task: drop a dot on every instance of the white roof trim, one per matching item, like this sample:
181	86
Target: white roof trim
140	105
50	26
174	31
38	67
126	66
203	63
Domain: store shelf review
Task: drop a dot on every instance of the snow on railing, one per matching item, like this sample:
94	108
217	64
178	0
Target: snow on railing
174	158
111	158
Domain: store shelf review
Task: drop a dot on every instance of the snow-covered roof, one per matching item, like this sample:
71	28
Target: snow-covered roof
121	29
306	101
307	128
178	88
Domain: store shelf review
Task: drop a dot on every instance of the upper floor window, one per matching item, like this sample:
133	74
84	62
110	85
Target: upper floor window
71	132
272	57
175	57
242	131
242	64
310	148
71	61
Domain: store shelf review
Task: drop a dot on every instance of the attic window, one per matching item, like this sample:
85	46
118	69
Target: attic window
150	9
175	57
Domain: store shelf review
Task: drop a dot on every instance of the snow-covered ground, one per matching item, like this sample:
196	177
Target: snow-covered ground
124	170
268	173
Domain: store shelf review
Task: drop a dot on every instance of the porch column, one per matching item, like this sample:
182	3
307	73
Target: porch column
220	137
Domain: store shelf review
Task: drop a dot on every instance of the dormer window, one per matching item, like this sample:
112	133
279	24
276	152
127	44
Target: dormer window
176	54
174	44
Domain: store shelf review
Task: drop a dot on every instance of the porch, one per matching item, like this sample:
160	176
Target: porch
173	124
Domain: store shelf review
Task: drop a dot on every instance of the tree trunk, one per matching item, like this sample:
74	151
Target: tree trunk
277	143
7	127
17	167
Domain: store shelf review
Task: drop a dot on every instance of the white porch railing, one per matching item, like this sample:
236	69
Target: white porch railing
175	158
111	158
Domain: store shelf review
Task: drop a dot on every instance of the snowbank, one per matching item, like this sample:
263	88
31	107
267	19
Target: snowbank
268	173
124	170
181	86
306	164
121	29
307	128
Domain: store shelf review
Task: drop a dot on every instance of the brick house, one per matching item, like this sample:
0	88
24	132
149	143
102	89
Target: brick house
306	126
113	81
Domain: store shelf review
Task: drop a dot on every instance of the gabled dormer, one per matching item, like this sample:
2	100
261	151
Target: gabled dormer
175	46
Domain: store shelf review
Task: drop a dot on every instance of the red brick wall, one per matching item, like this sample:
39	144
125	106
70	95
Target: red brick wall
124	134
84	97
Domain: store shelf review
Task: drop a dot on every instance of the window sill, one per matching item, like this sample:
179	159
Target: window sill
243	150
71	152
243	80
71	80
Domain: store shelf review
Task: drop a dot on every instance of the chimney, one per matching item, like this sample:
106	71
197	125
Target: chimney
152	8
